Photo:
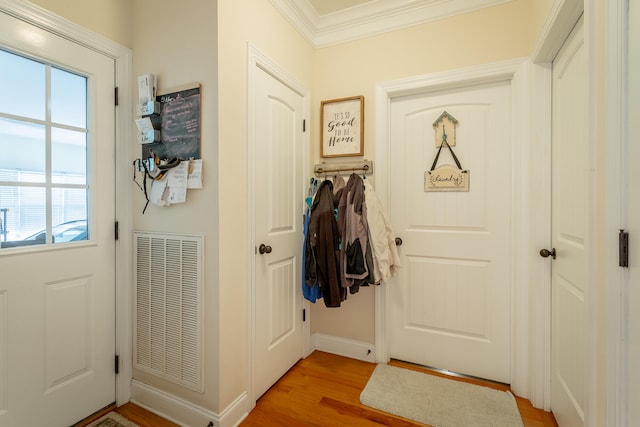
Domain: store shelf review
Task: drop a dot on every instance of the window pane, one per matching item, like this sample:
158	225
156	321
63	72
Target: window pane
69	216
68	157
24	208
22	85
23	151
68	98
37	160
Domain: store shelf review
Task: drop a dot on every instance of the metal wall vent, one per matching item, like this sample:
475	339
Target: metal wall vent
168	307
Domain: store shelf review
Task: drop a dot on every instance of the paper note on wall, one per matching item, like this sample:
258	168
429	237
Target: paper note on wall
171	187
158	192
194	177
146	88
177	183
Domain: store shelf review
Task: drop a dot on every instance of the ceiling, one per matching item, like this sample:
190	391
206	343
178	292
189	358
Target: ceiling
329	22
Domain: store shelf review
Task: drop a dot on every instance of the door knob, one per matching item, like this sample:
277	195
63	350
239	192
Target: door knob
545	253
398	241
264	249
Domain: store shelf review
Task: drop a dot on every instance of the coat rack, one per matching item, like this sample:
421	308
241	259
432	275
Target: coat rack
365	167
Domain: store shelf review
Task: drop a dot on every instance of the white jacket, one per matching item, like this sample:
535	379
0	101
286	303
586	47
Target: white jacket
383	243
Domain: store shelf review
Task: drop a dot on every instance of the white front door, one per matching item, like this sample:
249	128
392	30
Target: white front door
278	145
450	305
57	307
633	215
569	228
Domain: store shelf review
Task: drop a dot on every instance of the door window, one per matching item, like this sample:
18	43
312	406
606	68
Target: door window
43	153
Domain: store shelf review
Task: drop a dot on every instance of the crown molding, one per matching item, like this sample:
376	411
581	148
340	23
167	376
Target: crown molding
369	19
301	15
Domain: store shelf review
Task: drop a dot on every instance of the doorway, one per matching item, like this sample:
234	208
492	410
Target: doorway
450	305
278	152
59	318
515	73
570	224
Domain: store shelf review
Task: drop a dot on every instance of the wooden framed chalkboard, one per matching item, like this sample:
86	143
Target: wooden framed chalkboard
179	124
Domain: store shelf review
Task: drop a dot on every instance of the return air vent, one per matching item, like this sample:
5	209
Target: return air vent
168	307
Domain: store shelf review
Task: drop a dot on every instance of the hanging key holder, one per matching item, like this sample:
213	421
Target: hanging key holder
446	177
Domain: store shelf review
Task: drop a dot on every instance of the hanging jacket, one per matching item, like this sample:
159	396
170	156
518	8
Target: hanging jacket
310	292
381	237
323	247
355	269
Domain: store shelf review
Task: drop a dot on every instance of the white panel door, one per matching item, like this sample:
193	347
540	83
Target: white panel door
57	308
278	342
569	228
450	306
633	215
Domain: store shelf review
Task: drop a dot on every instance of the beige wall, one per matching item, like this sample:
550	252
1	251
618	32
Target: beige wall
111	19
241	22
494	34
179	45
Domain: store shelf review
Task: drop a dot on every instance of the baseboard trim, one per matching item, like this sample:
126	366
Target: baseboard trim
184	413
344	347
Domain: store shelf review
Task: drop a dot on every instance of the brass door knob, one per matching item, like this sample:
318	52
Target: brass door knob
545	253
264	249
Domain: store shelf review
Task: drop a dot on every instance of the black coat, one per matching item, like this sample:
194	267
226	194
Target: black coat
322	249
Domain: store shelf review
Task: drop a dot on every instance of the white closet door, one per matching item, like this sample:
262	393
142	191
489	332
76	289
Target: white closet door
569	229
278	340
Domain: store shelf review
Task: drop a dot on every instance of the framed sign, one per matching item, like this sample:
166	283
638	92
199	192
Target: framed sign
342	127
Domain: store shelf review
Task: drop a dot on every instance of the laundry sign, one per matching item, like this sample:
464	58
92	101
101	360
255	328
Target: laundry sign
446	177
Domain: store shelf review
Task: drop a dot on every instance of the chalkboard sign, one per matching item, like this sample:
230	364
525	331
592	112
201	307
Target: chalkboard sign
179	124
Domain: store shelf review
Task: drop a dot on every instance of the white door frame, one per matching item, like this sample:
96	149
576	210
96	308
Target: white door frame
560	21
616	215
517	72
122	56
257	60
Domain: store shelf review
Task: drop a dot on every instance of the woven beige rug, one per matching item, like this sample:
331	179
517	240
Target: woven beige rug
112	419
438	401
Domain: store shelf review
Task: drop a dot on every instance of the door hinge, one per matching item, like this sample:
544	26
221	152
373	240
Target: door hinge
117	230
623	246
304	125
116	95
304	314
117	364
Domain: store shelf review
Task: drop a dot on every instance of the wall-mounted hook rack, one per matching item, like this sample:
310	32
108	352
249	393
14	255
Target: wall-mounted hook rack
365	167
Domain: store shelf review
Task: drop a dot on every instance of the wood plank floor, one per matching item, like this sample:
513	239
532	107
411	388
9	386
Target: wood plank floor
324	390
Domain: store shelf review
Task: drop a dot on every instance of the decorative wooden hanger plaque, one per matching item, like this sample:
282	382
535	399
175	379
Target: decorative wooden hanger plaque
446	177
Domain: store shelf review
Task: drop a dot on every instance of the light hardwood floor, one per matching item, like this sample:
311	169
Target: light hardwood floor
324	390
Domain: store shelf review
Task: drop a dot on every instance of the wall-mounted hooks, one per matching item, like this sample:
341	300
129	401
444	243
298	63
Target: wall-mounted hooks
366	166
